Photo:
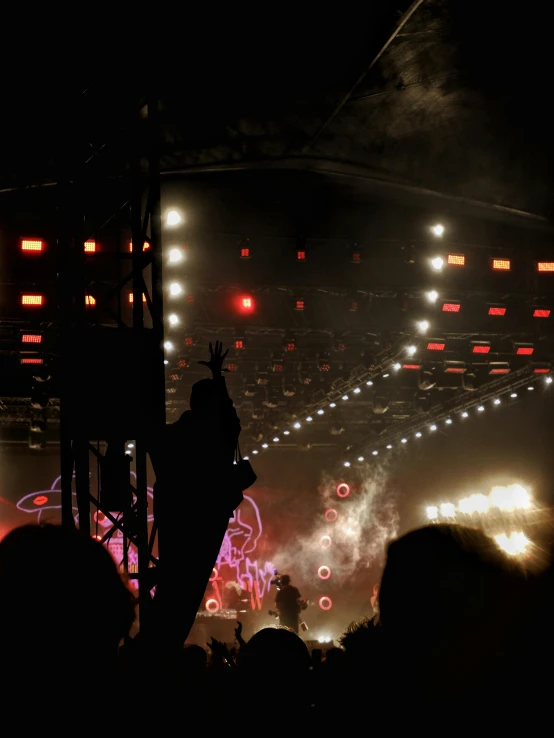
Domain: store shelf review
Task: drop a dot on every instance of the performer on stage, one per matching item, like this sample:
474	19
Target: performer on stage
288	603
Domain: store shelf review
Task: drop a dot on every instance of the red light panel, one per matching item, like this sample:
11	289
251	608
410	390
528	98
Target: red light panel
500	370
277	367
247	303
545	266
341	347
524	350
245	253
31	338
131	298
301	256
145	246
356	257
190	299
32	361
324	367
90	247
411	366
90	300
189	341
502	265
497	310
541	313
458	260
299	305
541	370
481	349
451	307
34	245
182	363
239	343
231	367
455	370
32	300
435	346
291	346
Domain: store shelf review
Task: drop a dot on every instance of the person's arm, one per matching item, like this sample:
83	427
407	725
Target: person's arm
228	414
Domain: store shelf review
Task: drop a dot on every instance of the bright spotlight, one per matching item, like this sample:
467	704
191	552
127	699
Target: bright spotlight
175	289
321	639
345	397
433	427
432	296
437	230
432	512
410	350
166	361
480	409
548	380
448	421
286	432
297	425
309	419
448	510
265	445
497	401
396	366
474	504
423	326
514	394
168	346
465	414
175	256
320	411
418	434
324	572
360	458
173	218
369	383
437	263
389	446
173	319
514	544
403	440
510	498
276	439
332	404
375	453
347	463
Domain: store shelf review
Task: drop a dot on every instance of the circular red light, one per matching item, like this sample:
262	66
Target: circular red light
212	605
343	490
325	603
99	516
214	575
40	500
325	541
331	515
97	537
246	303
324	572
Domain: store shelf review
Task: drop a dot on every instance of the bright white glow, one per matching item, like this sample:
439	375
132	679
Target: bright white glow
166	361
309	419
360	458
437	230
396	367
332	404
480	409
389	446
385	376
432	296
175	289
514	544
175	256
255	451
173	218
465	414
418	434
403	440
264	445
432	512
130	445
320	411
448	510
433	427
548	380
128	452
168	346
423	326
357	391
514	394
246	458
276	439
530	388
286	433
369	383
474	504
321	639
345	397
297	425
410	350
497	401
508	499
173	319
448	421
375	453
437	263
347	463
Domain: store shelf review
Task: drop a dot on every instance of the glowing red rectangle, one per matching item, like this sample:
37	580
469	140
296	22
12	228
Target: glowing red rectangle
277	367
31	338
356	257
455	370
451	307
189	341
291	346
502	265
231	367
299	305
301	256
35	245
245	253
545	266
32	300
32	361
456	260
239	344
435	346
411	366
541	313
90	247
145	246
541	370
525	350
499	370
497	310
481	349
90	300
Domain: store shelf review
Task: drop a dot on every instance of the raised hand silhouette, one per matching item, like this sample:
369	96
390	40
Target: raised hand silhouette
217	357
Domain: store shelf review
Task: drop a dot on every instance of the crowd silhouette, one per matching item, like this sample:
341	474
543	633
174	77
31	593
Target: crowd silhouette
460	640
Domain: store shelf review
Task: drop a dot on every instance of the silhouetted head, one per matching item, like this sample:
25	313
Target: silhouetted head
195	659
273	651
202	395
285	580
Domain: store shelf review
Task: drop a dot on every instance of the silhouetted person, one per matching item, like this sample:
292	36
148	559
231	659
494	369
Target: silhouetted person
287	602
193	498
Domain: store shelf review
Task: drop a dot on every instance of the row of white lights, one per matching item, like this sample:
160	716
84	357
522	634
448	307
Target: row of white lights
175	256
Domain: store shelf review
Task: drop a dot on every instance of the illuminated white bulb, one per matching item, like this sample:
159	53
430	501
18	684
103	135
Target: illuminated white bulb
168	346
128	452
410	350
432	512
403	440
175	289
286	433
389	446
347	463
309	419
332	404
437	230
465	414
369	383
448	510
255	451
497	401
246	458
264	445
360	458
423	326
396	367
432	296
276	439
345	397
375	453
166	361
480	409
357	391
530	388
433	427
175	256
385	376
418	434
437	263
448	421
320	411
130	445
297	425
548	380
514	394
173	319
173	218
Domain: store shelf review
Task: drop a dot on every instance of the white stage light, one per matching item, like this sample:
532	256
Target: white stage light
437	230
175	289
173	218
175	256
173	319
432	296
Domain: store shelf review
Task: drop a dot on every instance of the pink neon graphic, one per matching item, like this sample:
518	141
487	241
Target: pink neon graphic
40	500
343	490
214	575
212	605
325	541
325	603
324	572
331	515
